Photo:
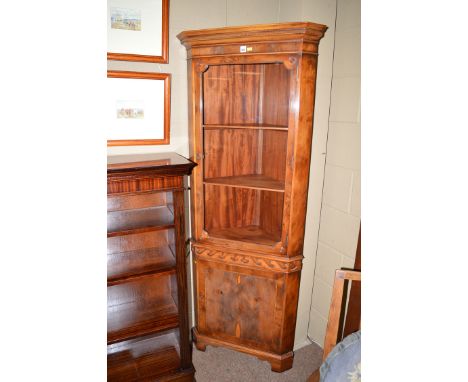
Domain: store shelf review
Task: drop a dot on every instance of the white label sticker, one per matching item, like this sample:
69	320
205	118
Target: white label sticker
243	48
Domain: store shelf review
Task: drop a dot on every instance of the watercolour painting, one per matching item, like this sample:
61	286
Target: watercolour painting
130	109
138	108
127	19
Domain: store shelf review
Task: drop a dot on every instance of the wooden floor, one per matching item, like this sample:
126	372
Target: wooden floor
223	365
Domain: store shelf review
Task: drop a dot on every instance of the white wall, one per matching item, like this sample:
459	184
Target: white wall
323	12
341	204
191	14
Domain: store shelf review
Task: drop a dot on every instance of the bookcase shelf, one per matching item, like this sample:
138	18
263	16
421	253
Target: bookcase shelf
251	126
253	181
146	357
124	265
249	234
140	307
126	222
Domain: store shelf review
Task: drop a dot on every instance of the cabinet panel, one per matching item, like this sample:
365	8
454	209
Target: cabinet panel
240	305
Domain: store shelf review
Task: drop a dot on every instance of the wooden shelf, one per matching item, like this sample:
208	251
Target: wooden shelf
123	265
249	234
253	126
257	182
142	358
126	222
140	307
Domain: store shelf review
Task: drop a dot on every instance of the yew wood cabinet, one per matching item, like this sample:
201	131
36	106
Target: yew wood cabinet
147	313
251	103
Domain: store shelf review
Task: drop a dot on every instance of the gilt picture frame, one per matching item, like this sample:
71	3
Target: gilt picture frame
138	30
138	108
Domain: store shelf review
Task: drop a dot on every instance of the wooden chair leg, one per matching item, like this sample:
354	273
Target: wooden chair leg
315	376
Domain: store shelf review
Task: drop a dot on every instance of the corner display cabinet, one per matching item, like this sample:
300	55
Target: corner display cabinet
251	104
147	313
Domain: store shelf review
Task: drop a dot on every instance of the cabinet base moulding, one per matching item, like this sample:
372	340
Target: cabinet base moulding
278	362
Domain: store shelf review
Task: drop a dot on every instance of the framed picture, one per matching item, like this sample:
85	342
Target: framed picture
138	30
138	108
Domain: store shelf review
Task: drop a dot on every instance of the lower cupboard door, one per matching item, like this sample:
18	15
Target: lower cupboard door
239	305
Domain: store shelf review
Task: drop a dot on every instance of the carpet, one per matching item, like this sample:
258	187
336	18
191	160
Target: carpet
224	365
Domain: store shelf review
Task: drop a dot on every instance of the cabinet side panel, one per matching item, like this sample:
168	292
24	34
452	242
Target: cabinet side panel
181	290
302	153
195	106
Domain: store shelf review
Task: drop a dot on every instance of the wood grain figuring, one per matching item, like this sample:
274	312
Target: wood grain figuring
235	149
274	150
128	202
147	357
127	184
250	233
247	302
301	143
256	182
250	117
231	94
147	307
139	220
140	307
271	216
275	106
228	207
